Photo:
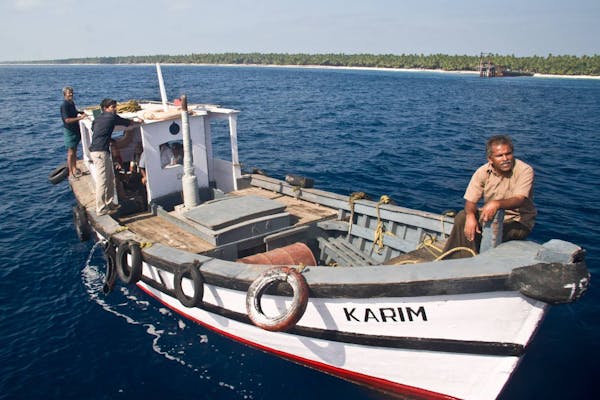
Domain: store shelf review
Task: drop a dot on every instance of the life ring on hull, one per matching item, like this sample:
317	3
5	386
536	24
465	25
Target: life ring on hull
129	273
82	226
110	276
292	315
193	273
58	174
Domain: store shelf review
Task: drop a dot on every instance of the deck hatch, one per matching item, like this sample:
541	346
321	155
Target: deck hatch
229	211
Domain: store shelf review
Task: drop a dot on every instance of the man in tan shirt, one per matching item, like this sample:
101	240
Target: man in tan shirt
504	182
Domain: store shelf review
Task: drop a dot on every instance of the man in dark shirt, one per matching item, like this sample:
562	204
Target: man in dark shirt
71	134
102	129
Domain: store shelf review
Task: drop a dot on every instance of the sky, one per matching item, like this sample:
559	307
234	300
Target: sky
57	29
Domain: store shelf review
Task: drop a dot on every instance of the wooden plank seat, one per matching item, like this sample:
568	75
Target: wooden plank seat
340	251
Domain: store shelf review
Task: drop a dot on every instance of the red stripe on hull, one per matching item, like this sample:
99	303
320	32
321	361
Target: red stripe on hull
372	381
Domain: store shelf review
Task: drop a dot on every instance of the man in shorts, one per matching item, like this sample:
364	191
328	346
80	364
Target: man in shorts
71	134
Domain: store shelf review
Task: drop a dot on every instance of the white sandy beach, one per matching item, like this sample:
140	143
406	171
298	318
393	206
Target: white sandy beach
318	67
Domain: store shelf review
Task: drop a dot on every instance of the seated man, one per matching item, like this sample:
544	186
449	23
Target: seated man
177	149
503	182
166	154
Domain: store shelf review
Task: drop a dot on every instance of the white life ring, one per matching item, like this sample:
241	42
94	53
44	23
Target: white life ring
292	315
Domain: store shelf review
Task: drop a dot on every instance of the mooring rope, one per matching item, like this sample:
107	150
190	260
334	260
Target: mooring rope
428	243
454	250
351	199
379	231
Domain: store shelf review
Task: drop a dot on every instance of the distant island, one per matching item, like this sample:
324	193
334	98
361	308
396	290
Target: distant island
550	65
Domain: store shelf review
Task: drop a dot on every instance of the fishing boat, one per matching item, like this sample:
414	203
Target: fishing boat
349	286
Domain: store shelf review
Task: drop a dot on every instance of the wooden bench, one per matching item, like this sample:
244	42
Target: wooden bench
340	251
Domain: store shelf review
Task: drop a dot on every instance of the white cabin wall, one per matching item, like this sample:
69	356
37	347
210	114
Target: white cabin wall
164	181
223	176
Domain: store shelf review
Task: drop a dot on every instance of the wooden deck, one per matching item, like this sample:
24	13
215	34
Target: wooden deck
160	230
155	229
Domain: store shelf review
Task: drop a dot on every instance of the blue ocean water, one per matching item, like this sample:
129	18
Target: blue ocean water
415	136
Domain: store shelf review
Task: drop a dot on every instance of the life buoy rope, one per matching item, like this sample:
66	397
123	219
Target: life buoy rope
292	314
192	272
129	273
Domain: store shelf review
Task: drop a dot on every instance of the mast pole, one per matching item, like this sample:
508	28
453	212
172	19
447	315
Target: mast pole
189	181
161	84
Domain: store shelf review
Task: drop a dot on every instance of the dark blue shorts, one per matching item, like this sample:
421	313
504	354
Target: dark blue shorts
71	139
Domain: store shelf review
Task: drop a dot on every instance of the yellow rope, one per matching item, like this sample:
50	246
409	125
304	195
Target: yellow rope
428	243
353	197
300	267
143	245
379	231
407	262
128	106
454	250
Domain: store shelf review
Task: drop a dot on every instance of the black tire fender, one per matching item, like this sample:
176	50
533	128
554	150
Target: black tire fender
292	315
58	174
80	221
110	276
192	272
129	273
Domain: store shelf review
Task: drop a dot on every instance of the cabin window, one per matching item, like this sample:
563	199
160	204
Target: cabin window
171	154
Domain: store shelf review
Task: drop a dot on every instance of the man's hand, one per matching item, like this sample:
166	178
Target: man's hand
471	227
488	211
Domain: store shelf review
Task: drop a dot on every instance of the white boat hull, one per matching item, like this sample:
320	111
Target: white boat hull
498	322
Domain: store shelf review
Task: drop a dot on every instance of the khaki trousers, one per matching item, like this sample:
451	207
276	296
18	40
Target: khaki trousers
105	181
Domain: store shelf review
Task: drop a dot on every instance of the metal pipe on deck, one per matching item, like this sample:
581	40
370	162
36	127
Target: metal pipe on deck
236	169
189	181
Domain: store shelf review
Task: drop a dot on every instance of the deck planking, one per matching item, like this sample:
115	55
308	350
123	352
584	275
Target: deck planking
155	229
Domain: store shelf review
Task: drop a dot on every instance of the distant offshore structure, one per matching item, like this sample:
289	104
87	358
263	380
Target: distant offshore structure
487	69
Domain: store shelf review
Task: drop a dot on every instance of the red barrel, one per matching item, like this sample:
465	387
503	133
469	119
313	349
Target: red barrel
294	254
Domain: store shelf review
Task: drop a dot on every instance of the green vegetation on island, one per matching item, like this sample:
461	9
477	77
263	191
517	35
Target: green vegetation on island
551	64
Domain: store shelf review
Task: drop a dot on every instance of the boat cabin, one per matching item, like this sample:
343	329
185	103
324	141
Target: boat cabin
159	143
